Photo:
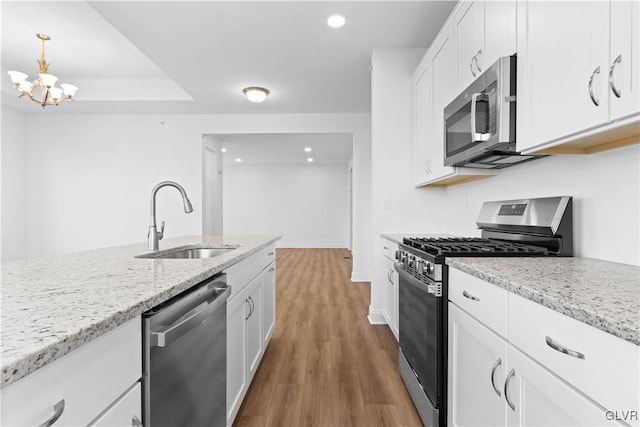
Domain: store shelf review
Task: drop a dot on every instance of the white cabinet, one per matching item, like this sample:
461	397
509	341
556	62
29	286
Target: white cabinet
269	303
250	322
499	31
253	325
125	412
468	28
434	86
477	362
567	73
536	397
82	384
531	372
389	279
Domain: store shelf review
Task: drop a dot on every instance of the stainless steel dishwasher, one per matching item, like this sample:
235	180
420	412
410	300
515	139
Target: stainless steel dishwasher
185	358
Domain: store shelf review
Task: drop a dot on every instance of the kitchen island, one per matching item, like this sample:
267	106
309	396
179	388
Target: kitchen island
53	305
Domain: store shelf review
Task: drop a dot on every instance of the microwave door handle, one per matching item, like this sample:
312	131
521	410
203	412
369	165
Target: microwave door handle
474	102
475	136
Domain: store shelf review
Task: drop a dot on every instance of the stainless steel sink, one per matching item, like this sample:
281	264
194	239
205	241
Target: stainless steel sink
188	253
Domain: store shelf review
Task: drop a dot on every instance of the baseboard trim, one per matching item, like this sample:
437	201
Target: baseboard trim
360	277
376	317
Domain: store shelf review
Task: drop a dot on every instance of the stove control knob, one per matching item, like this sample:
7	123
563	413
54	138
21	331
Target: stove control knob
420	266
429	268
403	258
398	255
412	261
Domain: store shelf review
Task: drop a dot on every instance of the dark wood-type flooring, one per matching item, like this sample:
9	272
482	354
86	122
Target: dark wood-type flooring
325	364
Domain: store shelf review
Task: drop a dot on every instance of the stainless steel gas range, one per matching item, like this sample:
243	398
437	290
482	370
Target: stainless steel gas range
527	227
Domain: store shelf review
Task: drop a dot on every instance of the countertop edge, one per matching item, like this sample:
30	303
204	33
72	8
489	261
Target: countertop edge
31	362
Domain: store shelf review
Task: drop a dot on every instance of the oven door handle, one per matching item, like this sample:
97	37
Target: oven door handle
475	136
431	287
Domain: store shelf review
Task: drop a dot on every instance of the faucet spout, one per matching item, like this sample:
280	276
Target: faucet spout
154	234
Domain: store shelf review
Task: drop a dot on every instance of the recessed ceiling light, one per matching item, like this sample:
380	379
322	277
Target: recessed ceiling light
336	21
255	94
307	149
238	159
224	150
309	159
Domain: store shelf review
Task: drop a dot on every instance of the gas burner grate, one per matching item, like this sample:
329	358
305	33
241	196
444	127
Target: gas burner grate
472	246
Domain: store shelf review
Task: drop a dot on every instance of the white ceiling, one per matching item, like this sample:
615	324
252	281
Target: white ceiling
327	148
195	57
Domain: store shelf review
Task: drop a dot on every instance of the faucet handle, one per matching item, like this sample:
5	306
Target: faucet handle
160	233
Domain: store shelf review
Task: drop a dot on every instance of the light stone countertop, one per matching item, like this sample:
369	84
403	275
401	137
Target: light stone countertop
53	305
603	294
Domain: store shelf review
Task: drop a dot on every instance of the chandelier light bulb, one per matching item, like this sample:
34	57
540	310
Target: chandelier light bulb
255	94
69	90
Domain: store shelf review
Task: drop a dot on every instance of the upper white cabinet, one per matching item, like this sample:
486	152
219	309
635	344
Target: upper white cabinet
483	32
577	72
468	28
476	34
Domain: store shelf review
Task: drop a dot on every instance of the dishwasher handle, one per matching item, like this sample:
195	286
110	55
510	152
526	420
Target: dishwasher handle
164	338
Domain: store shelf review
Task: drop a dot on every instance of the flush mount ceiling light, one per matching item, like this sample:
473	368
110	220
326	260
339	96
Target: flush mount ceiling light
310	159
336	21
255	94
238	159
307	149
50	95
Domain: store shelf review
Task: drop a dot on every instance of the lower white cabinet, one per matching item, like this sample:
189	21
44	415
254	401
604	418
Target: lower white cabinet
251	315
477	361
82	385
125	412
388	278
543	368
269	303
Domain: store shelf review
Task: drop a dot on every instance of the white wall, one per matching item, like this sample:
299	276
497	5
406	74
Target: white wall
307	204
605	189
13	151
90	176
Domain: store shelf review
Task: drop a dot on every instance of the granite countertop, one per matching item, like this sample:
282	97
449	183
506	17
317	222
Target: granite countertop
602	294
53	305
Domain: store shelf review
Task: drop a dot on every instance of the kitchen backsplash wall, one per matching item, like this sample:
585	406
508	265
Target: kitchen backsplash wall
605	188
307	204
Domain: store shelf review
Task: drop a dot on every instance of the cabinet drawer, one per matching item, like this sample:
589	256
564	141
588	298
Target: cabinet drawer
89	379
127	411
610	369
240	274
268	255
389	249
484	301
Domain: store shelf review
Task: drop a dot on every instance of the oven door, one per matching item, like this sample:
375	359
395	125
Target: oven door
421	334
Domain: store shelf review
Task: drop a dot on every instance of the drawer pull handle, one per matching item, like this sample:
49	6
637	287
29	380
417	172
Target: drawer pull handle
270	254
562	349
135	421
385	247
493	374
271	270
59	409
471	297
512	373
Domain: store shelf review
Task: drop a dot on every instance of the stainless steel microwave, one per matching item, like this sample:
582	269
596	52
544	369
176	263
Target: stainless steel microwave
480	123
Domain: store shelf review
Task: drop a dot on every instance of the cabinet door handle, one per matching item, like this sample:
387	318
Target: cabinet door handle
59	409
390	276
270	254
253	306
475	60
617	92
271	270
493	374
248	315
135	421
591	95
471	297
562	349
506	389
471	66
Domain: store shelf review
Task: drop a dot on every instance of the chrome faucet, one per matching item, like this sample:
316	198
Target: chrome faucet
154	235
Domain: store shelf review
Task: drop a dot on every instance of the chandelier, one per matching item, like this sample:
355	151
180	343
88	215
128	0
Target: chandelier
49	93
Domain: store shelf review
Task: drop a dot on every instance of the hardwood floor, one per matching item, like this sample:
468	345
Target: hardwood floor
325	364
